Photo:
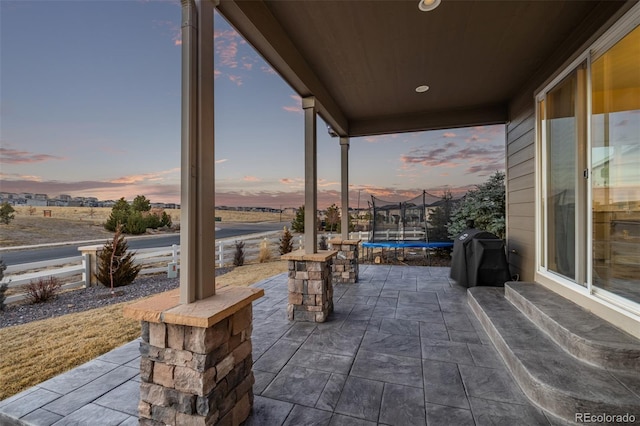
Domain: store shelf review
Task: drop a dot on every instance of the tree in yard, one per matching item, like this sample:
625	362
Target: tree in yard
120	213
141	204
6	213
440	217
137	217
298	222
322	243
115	262
333	218
286	241
238	254
485	205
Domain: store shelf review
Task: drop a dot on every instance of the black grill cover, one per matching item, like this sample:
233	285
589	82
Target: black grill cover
478	259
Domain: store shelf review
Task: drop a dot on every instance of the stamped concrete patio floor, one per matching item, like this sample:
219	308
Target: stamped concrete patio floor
401	348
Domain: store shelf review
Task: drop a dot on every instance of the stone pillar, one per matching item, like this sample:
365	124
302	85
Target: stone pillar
345	265
310	285
196	365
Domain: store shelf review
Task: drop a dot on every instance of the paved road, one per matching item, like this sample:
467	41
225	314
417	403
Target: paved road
49	253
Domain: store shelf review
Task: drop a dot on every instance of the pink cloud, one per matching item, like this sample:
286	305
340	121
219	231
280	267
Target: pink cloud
226	47
146	177
292	182
297	108
268	70
449	135
322	183
380	138
251	179
18	176
235	79
478	159
14	156
222	160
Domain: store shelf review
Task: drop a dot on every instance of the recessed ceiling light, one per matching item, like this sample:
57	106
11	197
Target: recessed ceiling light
428	5
422	89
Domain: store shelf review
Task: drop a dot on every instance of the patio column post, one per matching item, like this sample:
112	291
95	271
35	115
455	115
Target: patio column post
196	352
344	158
197	227
310	176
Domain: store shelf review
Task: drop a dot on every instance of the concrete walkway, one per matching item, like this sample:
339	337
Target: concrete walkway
402	348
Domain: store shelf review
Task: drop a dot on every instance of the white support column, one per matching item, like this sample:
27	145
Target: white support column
197	227
344	173
310	176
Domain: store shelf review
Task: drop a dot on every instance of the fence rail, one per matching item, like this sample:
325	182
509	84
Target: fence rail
75	271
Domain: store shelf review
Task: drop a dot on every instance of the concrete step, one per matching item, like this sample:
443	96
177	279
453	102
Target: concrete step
552	378
579	332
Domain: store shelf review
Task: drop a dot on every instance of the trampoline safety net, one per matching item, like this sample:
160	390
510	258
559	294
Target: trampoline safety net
404	221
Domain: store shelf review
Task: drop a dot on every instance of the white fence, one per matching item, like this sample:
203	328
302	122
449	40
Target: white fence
76	272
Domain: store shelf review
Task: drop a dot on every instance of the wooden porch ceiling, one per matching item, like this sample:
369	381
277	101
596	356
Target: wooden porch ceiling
363	59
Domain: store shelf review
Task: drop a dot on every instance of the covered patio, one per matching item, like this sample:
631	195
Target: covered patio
403	345
401	348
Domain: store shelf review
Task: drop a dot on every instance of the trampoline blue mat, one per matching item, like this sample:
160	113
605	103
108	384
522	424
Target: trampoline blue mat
407	244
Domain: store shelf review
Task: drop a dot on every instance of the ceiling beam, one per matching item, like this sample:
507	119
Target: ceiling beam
431	120
258	26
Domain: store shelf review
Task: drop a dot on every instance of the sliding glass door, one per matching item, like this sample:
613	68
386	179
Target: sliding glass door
564	123
588	123
615	165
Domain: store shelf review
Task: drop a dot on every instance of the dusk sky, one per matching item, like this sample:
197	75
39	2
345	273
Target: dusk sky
90	106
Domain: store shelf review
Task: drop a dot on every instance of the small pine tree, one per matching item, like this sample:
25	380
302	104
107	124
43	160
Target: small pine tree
238	254
141	204
486	205
298	222
120	213
165	219
136	224
4	286
6	213
439	219
333	218
286	242
322	244
115	263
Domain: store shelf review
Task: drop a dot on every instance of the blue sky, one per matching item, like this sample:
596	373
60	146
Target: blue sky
90	106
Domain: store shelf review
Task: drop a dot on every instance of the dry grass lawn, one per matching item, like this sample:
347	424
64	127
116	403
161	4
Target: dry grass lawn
35	352
85	223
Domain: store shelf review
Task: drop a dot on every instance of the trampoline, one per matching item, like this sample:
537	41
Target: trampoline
406	225
402	245
408	244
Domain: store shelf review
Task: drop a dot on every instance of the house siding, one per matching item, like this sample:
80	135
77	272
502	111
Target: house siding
520	180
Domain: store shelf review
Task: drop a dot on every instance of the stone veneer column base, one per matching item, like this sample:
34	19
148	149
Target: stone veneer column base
345	265
310	285
196	365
